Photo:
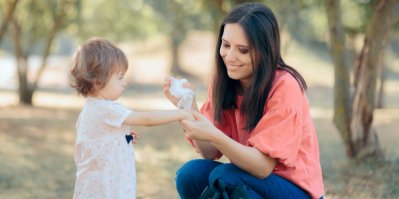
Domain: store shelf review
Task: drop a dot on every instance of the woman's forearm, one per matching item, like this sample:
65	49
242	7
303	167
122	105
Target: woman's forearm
206	149
250	159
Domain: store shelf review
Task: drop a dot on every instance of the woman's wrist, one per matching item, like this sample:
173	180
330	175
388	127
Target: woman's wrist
217	138
185	115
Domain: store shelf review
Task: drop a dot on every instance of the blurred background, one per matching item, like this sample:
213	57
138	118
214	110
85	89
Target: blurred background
347	51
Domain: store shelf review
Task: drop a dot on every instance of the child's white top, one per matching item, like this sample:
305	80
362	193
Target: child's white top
104	160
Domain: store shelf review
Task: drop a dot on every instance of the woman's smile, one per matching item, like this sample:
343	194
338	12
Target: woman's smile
233	67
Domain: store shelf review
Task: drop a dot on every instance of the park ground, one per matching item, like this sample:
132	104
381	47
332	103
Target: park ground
36	143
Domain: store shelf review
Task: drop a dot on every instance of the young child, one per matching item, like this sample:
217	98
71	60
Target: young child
104	154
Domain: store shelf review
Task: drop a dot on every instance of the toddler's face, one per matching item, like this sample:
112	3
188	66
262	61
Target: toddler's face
114	87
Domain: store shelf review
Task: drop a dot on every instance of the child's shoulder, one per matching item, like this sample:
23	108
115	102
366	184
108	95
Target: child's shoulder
95	102
104	106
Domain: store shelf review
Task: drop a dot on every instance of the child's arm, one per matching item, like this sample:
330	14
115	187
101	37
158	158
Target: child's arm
155	118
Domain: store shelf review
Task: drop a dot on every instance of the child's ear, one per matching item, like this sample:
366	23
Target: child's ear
97	84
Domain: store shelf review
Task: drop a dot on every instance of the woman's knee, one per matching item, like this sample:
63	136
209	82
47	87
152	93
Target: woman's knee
195	170
192	177
229	173
184	174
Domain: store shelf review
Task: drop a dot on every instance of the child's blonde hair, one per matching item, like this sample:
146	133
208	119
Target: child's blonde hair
93	64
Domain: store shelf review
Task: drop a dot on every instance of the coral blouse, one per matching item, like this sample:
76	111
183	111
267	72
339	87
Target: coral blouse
285	132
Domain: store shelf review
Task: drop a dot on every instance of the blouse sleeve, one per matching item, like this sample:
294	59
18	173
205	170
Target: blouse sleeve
278	133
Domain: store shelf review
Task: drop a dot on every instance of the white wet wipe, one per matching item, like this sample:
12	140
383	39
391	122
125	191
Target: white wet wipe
184	95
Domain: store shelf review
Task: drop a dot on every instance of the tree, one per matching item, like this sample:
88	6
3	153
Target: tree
10	6
353	112
181	16
35	26
118	20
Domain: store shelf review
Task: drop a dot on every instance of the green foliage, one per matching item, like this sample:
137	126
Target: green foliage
176	17
304	20
36	19
115	19
356	15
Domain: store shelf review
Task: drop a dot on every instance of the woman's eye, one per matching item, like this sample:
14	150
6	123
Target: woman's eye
226	45
244	50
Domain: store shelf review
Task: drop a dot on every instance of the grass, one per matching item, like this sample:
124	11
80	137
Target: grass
36	156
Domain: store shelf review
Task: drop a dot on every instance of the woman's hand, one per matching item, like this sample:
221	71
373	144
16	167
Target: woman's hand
201	129
173	99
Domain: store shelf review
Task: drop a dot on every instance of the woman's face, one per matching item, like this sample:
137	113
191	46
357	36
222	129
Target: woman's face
235	52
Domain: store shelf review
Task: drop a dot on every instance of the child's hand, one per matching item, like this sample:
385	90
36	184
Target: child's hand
135	135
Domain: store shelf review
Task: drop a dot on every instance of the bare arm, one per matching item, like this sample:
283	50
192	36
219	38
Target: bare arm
207	150
155	118
247	158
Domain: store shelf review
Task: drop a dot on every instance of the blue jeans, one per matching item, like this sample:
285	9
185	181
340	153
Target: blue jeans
194	176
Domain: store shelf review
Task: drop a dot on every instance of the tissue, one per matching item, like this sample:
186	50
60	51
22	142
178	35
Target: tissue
184	95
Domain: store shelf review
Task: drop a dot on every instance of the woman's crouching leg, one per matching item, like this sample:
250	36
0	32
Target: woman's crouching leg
272	186
192	177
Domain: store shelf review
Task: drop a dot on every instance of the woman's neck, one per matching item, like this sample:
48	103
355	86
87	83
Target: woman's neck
242	86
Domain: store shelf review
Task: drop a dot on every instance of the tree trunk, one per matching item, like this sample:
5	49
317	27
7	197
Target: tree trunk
177	36
219	12
10	8
382	78
176	70
363	137
26	87
58	20
25	91
339	54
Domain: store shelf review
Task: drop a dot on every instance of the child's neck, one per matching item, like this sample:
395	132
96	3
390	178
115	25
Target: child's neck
97	96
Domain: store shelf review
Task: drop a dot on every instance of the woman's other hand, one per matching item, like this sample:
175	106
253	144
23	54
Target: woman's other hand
200	129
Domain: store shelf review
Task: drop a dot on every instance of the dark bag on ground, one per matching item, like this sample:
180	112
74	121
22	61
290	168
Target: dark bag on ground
220	190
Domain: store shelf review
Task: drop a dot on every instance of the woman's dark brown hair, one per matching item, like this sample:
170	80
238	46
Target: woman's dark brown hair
262	33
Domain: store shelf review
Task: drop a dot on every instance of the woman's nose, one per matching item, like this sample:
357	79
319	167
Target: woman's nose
230	55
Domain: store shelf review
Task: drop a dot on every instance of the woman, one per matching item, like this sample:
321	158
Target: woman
256	114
